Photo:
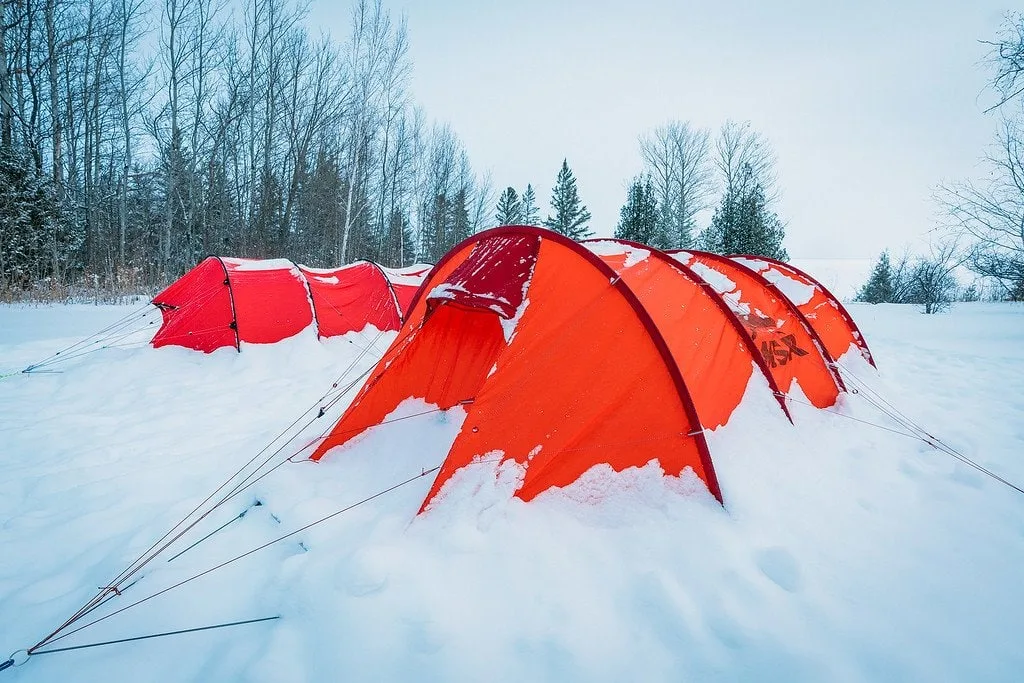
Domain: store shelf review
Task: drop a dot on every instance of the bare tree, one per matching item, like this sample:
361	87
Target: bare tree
931	283
1007	58
992	212
6	92
677	157
738	148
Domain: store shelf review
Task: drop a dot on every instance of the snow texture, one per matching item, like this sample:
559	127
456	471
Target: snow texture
634	255
259	264
410	275
794	290
719	282
843	553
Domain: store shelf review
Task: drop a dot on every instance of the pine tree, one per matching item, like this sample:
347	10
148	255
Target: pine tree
879	287
762	232
397	249
33	243
510	209
571	216
743	223
531	214
460	224
638	218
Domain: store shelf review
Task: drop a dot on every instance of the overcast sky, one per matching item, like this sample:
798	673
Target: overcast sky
867	104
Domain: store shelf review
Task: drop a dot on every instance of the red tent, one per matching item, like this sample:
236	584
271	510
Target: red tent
567	356
227	301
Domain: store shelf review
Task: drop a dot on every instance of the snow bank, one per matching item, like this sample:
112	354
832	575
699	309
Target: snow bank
844	552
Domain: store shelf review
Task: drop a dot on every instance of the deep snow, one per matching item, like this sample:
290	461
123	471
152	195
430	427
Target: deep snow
844	553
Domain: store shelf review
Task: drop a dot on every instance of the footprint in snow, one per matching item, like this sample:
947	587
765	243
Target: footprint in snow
778	565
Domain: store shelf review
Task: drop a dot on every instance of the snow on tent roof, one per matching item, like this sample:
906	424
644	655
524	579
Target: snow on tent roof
227	301
823	311
616	362
410	275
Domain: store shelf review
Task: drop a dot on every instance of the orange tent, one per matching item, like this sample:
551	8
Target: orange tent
821	309
714	352
566	356
789	345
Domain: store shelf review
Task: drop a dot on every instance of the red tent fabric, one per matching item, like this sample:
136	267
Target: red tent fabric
227	301
823	311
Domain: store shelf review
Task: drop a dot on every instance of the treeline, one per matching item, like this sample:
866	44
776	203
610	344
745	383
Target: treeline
928	280
684	168
137	137
984	219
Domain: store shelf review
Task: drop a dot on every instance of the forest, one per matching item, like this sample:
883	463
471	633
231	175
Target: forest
138	137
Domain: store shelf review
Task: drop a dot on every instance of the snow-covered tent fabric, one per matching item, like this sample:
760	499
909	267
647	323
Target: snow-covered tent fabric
715	354
569	356
822	310
227	301
349	298
558	362
790	347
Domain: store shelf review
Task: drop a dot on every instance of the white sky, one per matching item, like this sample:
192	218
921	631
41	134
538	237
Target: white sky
867	104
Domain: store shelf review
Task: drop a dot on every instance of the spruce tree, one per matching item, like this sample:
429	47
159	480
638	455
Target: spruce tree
743	223
33	243
638	218
528	202
571	216
510	209
879	287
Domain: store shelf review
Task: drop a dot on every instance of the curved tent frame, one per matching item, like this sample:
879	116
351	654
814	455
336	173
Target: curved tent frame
420	314
688	273
772	291
855	333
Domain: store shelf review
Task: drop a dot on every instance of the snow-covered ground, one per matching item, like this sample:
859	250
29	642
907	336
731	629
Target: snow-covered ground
844	553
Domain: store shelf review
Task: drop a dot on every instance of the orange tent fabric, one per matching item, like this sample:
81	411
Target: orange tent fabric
790	347
824	312
227	301
713	351
557	361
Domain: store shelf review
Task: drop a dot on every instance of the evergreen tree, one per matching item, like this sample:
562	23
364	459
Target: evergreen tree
397	249
571	216
638	218
33	243
743	223
879	288
510	209
529	210
460	223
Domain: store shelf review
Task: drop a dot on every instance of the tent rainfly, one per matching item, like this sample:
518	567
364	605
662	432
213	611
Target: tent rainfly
227	301
568	355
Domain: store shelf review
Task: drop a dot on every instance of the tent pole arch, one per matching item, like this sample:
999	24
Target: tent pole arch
231	296
391	290
309	292
862	342
688	272
789	305
643	317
